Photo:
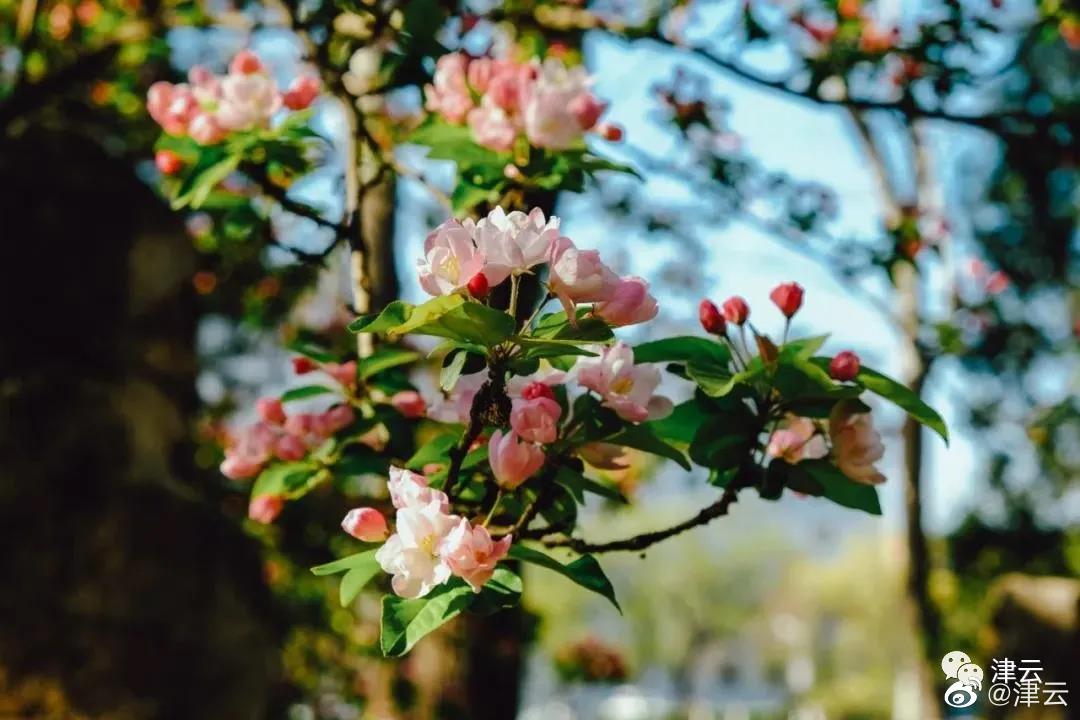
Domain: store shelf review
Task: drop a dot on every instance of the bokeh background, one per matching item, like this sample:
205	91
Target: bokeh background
926	198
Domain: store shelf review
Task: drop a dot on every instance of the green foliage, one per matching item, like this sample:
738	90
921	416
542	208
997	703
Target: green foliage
405	622
584	570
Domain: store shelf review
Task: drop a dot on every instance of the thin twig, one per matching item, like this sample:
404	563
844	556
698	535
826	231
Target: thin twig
640	542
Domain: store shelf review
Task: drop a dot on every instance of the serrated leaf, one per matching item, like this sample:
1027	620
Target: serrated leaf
584	571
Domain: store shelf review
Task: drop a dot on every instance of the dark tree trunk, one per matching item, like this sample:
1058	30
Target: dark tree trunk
126	591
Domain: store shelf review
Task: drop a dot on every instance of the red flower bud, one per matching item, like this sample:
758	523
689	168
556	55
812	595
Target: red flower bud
788	297
845	366
168	162
536	390
245	62
710	317
478	286
736	310
303	365
611	133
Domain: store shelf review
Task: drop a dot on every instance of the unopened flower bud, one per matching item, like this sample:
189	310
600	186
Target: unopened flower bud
711	318
366	524
168	162
788	297
844	367
736	310
303	365
478	287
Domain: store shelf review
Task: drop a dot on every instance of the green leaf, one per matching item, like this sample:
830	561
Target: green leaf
304	391
433	451
502	591
356	578
713	379
683	349
471	322
360	559
556	326
683	422
578	485
312	351
451	371
203	178
803	348
584	571
641	437
383	359
466	196
284	479
426	314
839	488
406	622
549	348
895	392
726	438
392	316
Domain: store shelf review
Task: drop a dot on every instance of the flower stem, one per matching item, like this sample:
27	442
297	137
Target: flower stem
514	282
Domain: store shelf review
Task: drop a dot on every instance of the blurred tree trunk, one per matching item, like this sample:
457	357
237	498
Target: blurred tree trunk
129	594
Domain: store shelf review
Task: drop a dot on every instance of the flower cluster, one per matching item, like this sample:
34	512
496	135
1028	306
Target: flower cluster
537	418
429	545
548	103
507	245
280	436
209	107
855	444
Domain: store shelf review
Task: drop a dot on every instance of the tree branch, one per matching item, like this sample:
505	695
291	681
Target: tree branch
640	542
997	122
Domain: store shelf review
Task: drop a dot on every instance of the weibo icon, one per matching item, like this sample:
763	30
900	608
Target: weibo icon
968	679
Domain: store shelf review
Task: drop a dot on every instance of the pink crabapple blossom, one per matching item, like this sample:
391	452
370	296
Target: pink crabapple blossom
409	403
856	445
450	261
412	554
797	440
628	304
578	276
626	388
408	489
472	554
513	460
536	419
